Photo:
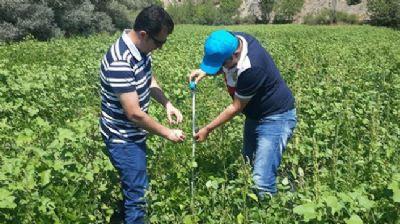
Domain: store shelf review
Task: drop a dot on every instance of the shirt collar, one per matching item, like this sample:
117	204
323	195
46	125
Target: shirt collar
244	61
131	46
243	55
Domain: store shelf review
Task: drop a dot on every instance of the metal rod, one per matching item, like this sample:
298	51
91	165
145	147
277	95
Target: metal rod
193	140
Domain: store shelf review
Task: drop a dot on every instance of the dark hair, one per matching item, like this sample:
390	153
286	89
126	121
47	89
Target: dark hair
152	19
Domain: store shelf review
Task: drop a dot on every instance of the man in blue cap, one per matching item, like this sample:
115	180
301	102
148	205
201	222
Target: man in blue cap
259	92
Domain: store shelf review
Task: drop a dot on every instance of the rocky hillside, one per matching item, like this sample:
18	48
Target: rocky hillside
250	7
311	6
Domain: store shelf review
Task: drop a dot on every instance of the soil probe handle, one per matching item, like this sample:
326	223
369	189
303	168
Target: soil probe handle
192	85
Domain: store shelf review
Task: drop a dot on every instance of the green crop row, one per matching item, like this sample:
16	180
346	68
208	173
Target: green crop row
342	165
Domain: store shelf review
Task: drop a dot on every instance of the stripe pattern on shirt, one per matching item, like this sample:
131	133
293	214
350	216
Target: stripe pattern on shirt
123	69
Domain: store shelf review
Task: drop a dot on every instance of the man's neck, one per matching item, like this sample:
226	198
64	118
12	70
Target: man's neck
240	46
134	36
240	50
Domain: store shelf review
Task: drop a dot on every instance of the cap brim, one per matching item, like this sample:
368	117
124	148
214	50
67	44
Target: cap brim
210	68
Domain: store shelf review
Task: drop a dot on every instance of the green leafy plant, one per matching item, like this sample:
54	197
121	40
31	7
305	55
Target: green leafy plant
341	166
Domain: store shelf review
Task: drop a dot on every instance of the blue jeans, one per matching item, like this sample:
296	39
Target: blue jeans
264	142
130	161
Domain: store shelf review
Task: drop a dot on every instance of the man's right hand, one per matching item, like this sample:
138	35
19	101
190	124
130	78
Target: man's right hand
176	135
196	75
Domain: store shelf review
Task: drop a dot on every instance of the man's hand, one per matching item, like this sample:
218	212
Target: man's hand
202	134
176	136
196	75
171	110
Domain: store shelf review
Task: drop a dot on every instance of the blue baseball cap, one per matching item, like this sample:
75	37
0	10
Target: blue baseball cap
219	46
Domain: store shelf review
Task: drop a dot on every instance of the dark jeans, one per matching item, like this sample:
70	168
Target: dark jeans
130	161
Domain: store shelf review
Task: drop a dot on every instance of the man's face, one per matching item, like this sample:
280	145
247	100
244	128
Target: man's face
153	42
232	61
228	64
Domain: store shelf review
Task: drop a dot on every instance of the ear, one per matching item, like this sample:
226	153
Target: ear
237	53
238	50
142	34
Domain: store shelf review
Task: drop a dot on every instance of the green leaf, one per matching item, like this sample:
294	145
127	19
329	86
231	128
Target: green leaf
240	218
212	184
7	199
253	196
89	176
306	210
58	165
345	197
300	171
208	184
45	177
285	181
190	219
64	133
153	219
32	111
3	177
332	202
394	186
365	202
92	217
42	123
354	219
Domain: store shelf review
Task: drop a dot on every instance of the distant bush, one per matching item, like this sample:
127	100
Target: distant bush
353	2
285	10
266	7
46	19
344	17
328	16
9	32
384	12
182	13
19	19
250	19
120	15
229	10
82	19
205	12
320	18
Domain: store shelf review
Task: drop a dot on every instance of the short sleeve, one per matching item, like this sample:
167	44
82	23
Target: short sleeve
120	77
249	82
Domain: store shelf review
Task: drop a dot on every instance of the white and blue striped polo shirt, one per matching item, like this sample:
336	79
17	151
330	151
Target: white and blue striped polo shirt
123	69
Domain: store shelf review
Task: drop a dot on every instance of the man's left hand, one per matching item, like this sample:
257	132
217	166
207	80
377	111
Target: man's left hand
202	134
172	111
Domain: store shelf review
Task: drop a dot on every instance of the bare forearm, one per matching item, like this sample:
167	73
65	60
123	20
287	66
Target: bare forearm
146	122
223	117
157	93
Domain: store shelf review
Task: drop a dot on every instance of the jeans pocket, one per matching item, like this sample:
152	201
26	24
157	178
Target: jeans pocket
128	155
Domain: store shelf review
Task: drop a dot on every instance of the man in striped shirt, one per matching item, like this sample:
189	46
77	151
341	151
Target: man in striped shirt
127	83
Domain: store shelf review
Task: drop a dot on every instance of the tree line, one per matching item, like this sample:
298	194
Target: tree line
46	19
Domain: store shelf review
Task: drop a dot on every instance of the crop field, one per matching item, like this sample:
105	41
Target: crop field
341	166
